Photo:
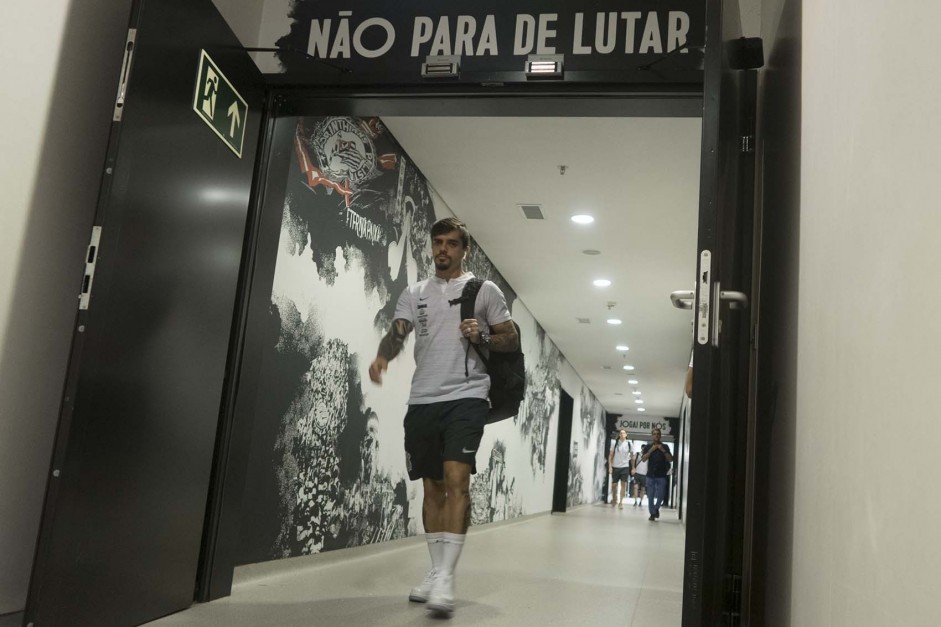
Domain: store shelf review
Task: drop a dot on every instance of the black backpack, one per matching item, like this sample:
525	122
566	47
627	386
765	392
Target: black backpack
507	370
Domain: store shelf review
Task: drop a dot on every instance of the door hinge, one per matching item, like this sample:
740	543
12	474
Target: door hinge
732	609
91	258
748	143
125	74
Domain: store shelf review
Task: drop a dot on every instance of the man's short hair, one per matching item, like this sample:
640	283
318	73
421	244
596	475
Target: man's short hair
446	225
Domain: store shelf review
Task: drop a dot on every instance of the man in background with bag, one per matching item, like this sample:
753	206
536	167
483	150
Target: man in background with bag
658	458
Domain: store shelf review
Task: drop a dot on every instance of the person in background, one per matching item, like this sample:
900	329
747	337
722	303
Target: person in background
447	407
619	467
658	456
640	480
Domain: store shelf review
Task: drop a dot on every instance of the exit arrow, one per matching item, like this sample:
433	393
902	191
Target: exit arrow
236	118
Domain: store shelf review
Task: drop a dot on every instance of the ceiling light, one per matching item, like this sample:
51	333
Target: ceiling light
622	347
636	392
613	321
591	251
543	66
633	381
638	401
641	409
628	367
601	282
439	66
582	219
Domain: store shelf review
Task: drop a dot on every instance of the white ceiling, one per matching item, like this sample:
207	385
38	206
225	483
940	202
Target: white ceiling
639	178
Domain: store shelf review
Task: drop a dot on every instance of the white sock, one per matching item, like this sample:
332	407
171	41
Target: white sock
452	543
435	548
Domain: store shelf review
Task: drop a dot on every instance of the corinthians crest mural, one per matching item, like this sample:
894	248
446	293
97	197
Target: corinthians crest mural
327	469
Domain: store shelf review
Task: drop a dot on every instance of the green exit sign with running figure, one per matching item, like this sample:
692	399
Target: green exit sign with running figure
219	105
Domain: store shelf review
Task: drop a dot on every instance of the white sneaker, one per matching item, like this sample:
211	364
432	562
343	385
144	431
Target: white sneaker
420	593
441	598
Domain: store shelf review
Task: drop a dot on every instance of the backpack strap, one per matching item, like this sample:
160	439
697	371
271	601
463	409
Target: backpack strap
468	300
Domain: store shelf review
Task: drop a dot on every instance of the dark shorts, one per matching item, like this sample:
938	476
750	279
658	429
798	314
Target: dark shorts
440	432
621	474
641	480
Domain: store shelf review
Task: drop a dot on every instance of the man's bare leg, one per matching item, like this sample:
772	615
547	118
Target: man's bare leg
432	509
457	508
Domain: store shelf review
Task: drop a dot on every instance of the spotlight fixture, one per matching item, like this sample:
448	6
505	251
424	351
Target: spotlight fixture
641	409
543	66
636	392
441	66
613	321
582	218
633	381
622	347
628	367
591	252
601	282
638	401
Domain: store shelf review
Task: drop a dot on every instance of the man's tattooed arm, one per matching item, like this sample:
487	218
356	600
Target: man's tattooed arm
503	337
389	347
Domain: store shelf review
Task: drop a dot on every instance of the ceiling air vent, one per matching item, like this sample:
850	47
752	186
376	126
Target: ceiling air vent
532	212
584	320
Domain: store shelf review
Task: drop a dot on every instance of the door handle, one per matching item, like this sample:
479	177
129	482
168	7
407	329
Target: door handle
683	299
736	300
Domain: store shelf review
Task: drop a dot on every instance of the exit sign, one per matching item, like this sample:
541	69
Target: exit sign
219	105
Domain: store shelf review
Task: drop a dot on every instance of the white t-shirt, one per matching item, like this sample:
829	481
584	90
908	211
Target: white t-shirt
622	454
439	347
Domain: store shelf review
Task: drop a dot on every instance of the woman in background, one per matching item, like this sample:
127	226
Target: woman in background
640	479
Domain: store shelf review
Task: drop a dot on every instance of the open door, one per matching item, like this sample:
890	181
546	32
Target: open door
563	453
126	497
718	424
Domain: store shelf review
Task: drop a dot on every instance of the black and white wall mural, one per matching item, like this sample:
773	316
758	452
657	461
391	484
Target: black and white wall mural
587	468
327	469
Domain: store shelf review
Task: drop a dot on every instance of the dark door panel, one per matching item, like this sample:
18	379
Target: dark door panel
716	494
125	505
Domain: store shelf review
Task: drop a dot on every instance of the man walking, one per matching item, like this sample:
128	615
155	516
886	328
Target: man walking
658	458
447	406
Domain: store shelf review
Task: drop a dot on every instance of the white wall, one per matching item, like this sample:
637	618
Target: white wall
866	517
61	61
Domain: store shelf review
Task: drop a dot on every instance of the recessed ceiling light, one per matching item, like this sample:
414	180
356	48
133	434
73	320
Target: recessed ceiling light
636	392
582	219
622	347
633	381
628	367
641	409
591	251
601	282
618	394
613	321
639	401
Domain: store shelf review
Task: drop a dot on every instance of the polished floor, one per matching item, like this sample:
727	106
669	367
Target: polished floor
594	565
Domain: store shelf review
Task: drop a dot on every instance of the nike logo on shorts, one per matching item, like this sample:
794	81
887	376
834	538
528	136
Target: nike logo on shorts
464	450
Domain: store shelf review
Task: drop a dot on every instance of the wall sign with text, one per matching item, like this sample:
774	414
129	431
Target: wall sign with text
347	40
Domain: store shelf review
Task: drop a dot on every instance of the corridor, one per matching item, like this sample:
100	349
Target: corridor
594	565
